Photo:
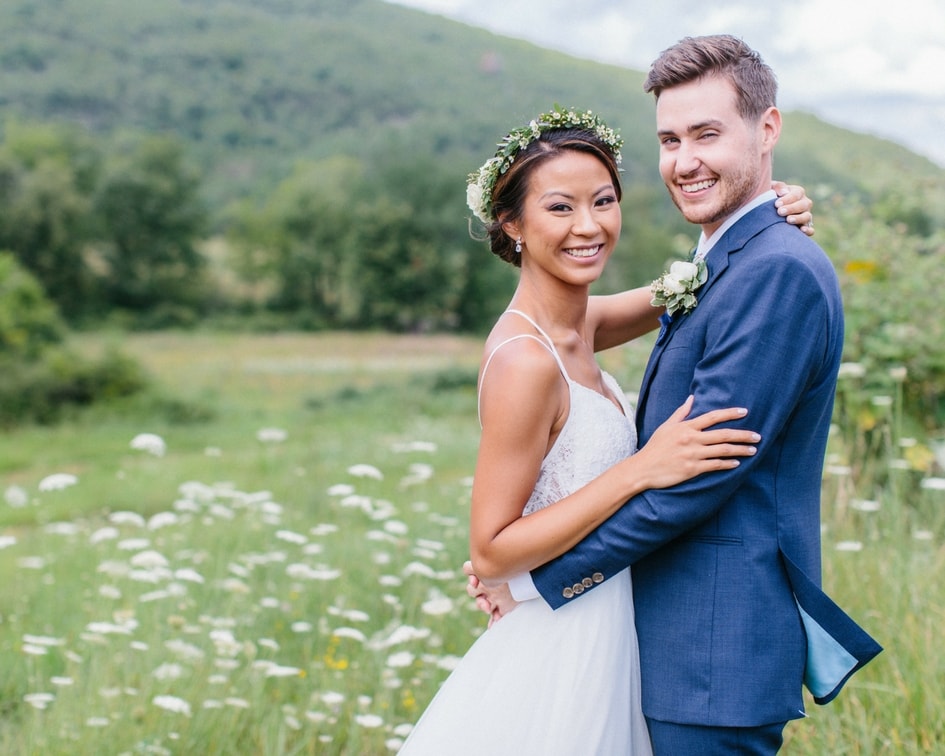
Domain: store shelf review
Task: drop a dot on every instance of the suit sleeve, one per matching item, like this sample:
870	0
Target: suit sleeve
767	337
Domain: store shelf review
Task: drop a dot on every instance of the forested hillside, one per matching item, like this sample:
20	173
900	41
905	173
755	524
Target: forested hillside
323	146
251	86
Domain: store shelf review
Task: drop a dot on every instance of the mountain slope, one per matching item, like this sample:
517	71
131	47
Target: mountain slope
254	85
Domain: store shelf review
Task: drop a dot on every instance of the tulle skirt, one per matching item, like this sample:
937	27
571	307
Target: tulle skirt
544	683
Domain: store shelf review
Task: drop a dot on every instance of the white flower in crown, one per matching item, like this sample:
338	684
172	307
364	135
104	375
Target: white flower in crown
676	290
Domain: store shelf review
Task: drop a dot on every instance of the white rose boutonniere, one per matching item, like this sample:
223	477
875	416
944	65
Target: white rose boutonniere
676	290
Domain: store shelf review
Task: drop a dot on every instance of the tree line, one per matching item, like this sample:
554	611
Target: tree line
117	232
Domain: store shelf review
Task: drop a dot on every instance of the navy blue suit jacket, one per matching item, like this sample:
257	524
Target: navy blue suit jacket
726	567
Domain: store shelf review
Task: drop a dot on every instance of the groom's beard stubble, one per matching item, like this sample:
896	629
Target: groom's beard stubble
735	189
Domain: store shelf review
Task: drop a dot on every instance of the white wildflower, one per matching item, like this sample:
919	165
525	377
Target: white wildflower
133	544
369	721
365	471
16	496
415	446
349	632
341	489
851	370
396	527
163	520
57	481
150	443
271	435
448	662
168	671
39	700
103	534
189	575
172	703
149	559
400	659
61	528
405	634
304	572
277	670
849	546
418	568
184	650
291	537
437	606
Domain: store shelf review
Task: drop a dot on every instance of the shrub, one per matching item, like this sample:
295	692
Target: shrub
28	320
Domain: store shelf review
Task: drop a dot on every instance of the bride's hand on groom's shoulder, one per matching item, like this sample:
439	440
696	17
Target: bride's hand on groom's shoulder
496	601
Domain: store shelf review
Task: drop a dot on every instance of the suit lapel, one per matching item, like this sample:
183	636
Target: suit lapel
717	262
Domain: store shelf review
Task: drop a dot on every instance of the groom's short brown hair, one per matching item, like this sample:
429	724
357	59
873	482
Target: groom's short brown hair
692	58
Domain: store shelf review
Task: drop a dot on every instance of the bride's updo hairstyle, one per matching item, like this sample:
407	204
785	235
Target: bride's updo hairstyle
496	192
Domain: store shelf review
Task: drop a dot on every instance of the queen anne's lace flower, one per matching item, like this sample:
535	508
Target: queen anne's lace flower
481	183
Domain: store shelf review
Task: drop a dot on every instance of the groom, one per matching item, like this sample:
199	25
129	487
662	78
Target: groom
730	616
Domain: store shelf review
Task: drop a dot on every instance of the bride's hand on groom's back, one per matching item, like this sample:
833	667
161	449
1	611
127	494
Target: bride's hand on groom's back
496	601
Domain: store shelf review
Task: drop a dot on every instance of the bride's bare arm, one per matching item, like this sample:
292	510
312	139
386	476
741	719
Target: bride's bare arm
518	419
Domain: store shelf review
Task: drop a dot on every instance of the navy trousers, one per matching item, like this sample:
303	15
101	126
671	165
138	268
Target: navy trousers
671	739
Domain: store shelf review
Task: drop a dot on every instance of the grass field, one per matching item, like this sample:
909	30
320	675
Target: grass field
285	577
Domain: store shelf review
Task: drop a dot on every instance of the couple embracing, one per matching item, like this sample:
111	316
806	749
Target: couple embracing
706	649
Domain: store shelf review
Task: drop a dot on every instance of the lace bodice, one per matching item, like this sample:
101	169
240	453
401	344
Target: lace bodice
596	435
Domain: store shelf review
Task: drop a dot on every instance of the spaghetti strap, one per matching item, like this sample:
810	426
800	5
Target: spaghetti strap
546	342
550	343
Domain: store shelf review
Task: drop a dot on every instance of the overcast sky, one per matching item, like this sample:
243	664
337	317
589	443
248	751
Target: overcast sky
870	65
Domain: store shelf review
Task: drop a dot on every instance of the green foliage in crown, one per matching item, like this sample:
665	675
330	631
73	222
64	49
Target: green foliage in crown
481	183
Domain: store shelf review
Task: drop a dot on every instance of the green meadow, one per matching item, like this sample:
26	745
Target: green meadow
263	556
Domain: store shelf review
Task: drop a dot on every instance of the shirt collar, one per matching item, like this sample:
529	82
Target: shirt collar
706	244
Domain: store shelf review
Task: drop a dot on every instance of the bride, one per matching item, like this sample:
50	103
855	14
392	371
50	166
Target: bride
558	455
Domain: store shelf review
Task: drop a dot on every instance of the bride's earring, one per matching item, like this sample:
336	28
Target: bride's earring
518	246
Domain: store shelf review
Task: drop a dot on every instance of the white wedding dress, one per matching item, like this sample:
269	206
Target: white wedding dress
552	683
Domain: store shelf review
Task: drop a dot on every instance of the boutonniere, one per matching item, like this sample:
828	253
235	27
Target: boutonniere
676	290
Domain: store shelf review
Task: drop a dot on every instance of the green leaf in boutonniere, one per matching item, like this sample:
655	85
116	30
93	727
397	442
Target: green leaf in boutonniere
676	290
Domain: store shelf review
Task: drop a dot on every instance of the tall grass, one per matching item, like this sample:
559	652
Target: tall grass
285	578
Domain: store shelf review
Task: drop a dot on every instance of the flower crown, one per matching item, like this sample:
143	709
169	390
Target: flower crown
481	184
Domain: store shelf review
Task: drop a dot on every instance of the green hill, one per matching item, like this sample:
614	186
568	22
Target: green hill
252	86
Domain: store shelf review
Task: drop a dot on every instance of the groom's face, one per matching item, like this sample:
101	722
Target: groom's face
712	160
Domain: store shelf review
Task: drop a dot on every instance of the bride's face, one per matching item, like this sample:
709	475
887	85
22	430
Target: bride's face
571	218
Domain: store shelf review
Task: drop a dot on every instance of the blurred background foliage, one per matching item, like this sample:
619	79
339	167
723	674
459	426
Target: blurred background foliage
300	164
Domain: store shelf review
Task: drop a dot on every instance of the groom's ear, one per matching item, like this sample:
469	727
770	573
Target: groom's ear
770	127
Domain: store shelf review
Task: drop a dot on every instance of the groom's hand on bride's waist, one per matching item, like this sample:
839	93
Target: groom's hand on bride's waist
496	601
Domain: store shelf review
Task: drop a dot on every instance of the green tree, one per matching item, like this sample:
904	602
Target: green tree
151	217
294	242
373	243
46	175
29	321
